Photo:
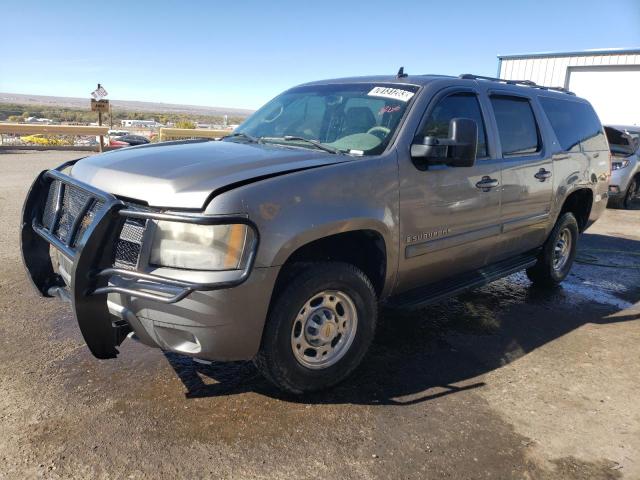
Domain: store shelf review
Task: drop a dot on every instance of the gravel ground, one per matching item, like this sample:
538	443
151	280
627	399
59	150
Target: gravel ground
506	381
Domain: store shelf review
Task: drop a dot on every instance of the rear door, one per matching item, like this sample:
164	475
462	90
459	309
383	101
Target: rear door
449	221
527	173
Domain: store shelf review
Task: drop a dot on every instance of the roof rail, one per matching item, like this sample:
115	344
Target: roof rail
526	83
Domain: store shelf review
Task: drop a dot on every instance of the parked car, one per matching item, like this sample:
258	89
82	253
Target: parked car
117	133
128	141
624	143
279	242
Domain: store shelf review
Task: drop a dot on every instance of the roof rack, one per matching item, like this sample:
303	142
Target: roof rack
526	83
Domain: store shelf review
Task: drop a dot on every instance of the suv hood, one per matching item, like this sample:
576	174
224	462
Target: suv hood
185	174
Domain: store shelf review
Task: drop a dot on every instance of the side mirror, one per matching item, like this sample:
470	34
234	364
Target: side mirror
459	150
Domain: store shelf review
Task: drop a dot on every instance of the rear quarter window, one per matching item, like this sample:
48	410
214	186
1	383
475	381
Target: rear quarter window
575	124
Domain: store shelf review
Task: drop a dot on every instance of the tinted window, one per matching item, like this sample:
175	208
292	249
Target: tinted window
459	105
516	125
574	123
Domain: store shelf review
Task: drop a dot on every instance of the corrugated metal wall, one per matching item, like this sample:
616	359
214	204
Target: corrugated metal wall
552	70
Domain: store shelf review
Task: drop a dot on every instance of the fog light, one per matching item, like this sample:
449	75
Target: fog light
614	189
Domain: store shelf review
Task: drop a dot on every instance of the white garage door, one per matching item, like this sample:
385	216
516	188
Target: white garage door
614	92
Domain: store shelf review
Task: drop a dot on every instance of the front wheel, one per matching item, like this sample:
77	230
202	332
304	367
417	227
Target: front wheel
557	255
631	194
319	328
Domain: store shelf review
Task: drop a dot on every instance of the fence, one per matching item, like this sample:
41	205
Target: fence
12	135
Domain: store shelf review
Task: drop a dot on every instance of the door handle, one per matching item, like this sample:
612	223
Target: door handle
543	174
487	183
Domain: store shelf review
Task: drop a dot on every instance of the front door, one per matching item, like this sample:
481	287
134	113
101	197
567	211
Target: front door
449	216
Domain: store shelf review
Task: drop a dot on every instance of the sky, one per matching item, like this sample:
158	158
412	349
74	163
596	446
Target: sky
242	53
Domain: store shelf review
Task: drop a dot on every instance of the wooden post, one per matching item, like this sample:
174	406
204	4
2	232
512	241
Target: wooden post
101	143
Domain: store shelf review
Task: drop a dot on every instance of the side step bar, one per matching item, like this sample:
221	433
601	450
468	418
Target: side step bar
432	293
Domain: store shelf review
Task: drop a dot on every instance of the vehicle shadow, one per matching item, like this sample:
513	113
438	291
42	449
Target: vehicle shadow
442	349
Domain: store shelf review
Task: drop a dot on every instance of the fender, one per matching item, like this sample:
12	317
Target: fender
295	209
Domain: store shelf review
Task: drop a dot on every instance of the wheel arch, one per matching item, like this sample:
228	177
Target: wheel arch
579	202
363	246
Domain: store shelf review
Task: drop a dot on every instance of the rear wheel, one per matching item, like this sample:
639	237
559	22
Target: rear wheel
319	328
557	255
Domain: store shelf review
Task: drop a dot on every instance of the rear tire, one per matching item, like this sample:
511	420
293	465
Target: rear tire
557	255
319	327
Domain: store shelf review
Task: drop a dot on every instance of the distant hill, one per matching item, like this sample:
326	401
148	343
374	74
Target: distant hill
129	105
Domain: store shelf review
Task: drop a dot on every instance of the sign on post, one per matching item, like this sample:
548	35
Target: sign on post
101	106
99	92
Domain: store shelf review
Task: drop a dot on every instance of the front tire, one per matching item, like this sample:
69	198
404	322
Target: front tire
558	253
319	327
630	194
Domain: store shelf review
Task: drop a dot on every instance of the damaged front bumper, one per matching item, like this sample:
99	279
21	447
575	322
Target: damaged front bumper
84	224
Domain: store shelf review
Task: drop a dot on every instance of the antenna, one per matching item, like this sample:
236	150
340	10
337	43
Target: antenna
401	73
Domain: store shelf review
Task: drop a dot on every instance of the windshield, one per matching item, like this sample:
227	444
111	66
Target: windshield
358	118
622	142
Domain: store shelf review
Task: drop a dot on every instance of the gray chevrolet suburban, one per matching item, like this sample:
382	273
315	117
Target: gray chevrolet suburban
279	242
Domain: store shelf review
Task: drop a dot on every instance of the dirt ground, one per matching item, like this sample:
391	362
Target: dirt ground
503	382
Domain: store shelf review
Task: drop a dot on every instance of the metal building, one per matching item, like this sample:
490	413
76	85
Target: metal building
609	79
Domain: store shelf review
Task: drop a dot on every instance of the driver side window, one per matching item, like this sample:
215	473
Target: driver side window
457	105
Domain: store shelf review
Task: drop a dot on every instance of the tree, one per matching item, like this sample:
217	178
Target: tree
185	124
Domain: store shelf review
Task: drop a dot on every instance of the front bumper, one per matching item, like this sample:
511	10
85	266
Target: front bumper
620	180
89	244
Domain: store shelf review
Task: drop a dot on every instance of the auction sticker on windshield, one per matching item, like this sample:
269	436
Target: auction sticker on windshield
394	93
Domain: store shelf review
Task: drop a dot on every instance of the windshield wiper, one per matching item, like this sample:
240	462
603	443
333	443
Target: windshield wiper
315	143
246	136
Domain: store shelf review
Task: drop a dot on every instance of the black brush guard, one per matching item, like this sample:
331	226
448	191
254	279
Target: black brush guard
91	251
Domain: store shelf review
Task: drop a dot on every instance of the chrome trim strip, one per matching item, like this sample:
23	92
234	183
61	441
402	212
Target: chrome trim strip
523	222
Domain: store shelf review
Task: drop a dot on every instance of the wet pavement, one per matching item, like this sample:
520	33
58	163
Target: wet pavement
506	381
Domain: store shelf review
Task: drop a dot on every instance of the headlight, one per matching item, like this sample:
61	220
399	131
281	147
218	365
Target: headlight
199	247
619	165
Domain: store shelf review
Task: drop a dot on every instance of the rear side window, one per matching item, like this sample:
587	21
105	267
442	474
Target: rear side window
575	124
517	125
458	105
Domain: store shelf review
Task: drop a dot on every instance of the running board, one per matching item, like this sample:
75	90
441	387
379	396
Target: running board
432	293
